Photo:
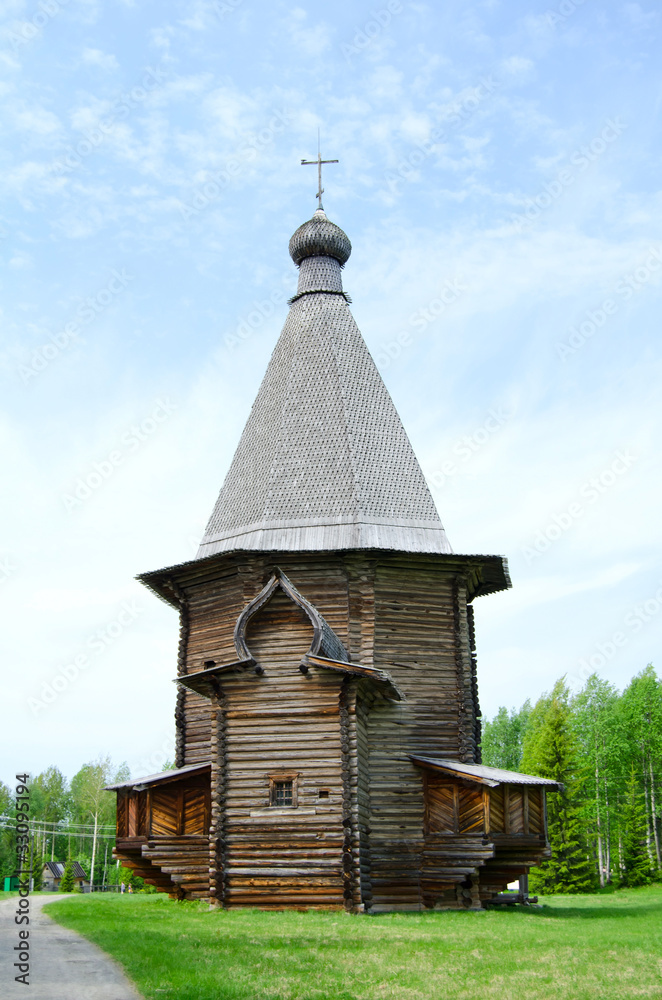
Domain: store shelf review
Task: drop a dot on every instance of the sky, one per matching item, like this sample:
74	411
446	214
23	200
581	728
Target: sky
499	178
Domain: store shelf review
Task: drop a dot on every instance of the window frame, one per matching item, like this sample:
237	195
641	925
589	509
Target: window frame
277	777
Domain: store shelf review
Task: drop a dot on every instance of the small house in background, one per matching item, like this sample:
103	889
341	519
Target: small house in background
53	872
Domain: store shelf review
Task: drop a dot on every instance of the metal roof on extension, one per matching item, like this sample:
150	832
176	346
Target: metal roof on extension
161	778
480	772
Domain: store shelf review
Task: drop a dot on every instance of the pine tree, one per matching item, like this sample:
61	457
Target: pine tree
68	882
636	868
551	750
38	862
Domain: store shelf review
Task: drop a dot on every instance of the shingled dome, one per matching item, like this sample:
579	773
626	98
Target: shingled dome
324	461
319	237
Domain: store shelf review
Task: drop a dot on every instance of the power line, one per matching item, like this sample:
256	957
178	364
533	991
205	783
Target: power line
60	832
70	826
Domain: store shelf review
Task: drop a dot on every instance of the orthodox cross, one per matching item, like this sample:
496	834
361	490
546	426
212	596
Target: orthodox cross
319	161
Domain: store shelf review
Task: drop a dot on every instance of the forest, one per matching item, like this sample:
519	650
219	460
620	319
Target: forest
68	819
605	747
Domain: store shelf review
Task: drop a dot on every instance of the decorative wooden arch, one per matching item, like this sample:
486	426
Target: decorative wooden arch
326	651
325	642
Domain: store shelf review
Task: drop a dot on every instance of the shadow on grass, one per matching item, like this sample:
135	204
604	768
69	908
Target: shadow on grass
600	906
596	912
556	911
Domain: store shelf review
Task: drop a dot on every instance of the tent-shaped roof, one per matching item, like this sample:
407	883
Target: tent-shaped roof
324	461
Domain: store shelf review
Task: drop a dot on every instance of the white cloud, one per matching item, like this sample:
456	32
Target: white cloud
60	598
37	120
309	40
639	17
95	57
20	260
517	65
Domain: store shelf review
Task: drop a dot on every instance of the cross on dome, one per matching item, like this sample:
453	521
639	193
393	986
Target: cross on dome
319	161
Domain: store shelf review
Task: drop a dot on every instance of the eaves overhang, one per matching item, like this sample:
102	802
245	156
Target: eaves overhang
484	574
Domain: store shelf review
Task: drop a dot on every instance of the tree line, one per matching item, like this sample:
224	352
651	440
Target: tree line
605	747
69	820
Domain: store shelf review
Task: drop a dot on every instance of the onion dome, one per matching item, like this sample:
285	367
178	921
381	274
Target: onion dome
320	238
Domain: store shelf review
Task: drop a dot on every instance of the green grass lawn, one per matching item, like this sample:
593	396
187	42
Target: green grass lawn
575	947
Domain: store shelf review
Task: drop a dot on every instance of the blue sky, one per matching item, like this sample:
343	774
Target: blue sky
499	178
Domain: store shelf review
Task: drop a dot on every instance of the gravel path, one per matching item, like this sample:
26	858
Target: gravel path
63	965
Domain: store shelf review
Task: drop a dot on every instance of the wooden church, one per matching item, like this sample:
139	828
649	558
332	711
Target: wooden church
328	727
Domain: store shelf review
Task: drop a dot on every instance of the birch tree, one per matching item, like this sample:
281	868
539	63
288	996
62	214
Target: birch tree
641	715
593	715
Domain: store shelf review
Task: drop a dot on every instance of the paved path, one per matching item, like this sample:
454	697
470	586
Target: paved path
63	966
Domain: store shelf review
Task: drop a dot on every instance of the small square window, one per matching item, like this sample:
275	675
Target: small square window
323	793
283	790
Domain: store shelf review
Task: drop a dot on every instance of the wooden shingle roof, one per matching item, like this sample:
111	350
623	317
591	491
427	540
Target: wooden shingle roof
324	461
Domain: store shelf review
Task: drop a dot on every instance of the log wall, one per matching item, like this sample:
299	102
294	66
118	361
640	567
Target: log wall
282	724
421	637
364	844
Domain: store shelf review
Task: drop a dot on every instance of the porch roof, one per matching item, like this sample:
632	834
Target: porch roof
480	773
138	784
